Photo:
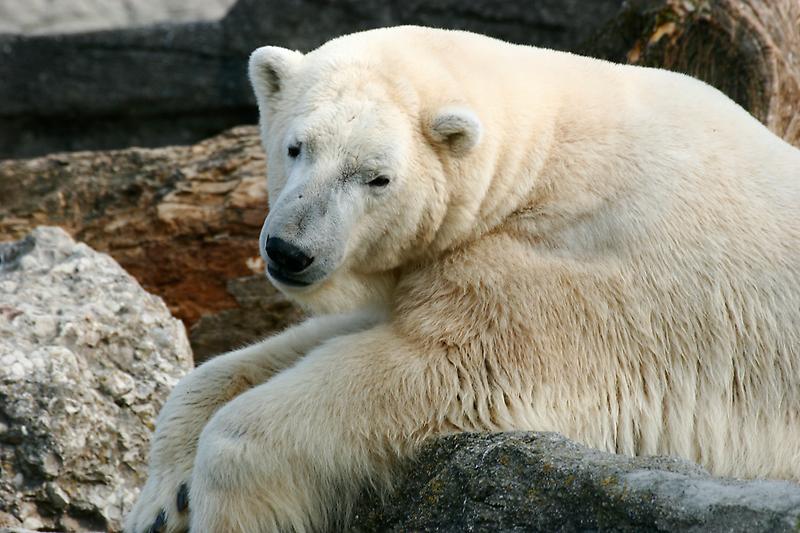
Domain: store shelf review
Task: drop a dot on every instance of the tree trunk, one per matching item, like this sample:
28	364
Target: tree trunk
749	49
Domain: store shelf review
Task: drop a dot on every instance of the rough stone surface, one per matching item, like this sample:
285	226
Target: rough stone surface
183	82
260	310
184	221
519	482
87	358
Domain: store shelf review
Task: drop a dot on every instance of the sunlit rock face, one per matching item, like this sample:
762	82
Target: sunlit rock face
87	358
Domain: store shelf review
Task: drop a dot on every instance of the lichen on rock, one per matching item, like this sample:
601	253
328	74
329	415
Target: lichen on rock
534	482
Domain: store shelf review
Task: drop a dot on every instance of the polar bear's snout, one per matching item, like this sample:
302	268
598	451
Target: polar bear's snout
284	258
289	262
302	240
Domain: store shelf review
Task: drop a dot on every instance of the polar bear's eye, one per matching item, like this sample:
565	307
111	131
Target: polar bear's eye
294	150
378	181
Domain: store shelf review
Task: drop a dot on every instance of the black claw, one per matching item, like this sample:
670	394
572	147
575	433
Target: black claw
159	522
183	497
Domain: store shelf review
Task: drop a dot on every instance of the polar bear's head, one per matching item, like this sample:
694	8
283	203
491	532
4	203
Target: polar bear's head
358	171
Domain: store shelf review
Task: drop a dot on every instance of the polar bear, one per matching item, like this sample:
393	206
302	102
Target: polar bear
493	237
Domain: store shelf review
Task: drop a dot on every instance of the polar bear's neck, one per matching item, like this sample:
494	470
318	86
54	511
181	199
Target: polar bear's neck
568	137
551	140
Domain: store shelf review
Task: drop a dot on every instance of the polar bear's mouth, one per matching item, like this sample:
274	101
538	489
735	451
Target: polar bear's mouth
286	279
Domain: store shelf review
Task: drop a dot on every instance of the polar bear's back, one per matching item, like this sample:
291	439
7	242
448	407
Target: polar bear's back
506	82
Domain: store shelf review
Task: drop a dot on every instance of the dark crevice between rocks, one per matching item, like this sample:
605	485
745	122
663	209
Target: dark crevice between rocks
11	252
84	519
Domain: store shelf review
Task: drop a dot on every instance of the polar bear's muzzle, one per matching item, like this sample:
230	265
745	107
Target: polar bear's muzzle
286	262
305	236
298	259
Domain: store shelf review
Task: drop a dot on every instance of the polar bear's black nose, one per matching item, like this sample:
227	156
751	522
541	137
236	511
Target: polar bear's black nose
287	257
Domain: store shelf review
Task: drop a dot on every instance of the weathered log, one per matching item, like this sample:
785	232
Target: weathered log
749	49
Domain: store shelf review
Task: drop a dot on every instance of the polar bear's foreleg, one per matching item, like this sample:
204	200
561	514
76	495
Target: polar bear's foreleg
162	504
283	455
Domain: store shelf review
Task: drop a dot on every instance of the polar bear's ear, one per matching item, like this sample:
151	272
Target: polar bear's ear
268	68
458	127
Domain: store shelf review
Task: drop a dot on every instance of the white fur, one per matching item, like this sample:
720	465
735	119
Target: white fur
615	257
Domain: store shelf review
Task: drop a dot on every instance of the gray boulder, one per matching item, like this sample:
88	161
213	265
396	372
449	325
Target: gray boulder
87	358
519	482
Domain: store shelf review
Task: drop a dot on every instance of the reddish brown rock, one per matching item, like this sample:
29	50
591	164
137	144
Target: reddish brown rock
183	220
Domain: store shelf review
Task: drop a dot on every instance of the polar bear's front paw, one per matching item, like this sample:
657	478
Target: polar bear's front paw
162	507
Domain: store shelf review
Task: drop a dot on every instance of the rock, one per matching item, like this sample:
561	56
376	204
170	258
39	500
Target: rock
260	310
8	522
46	16
87	358
545	482
184	221
749	49
181	83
